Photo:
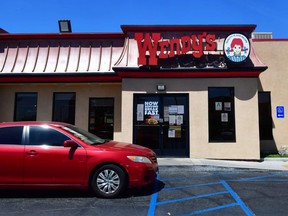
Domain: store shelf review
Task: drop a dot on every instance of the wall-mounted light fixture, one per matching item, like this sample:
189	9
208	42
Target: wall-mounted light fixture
65	26
161	87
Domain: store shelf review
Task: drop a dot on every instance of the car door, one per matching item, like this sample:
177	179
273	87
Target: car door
47	161
11	154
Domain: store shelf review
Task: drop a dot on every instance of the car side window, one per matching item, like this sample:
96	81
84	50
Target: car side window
11	135
42	135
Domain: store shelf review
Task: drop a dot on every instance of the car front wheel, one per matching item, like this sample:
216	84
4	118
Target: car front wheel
109	181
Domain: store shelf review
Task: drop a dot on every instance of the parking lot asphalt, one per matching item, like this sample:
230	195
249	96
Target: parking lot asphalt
184	187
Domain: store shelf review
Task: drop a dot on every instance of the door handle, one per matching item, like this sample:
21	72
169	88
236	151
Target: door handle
32	153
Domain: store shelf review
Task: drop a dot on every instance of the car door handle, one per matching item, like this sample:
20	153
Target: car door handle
32	153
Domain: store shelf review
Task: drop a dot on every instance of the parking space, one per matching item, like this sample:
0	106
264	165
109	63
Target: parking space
213	193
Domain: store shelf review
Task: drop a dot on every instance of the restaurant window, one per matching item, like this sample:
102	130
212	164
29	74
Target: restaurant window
25	106
101	117
64	107
265	117
221	114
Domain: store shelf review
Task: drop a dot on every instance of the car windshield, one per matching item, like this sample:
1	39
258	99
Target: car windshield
85	136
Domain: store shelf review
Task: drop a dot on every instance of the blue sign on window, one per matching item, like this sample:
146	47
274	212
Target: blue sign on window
280	111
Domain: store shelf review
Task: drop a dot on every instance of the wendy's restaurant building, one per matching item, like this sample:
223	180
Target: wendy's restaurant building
193	91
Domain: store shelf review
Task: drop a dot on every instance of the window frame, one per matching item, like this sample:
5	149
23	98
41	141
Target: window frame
90	116
223	118
263	135
55	105
16	106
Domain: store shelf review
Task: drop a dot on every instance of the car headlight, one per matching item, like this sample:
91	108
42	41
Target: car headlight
139	159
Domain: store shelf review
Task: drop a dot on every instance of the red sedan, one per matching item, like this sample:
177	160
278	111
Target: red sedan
53	154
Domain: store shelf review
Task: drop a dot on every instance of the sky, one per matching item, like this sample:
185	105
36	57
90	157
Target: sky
41	16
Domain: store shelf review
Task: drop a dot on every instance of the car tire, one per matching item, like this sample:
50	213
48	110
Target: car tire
109	181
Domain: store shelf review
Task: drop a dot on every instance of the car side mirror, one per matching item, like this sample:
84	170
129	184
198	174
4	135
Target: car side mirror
70	143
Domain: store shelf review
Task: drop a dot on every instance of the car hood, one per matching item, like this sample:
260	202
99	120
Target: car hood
122	146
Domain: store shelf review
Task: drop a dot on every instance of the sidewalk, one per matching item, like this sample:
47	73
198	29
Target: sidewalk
266	164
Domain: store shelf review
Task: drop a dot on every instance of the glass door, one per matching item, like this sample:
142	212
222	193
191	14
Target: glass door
175	125
161	123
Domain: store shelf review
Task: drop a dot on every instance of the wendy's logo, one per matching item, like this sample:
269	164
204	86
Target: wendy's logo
237	47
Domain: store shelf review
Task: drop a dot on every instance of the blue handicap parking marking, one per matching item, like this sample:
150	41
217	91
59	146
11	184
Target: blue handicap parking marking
213	196
220	189
153	202
265	178
237	198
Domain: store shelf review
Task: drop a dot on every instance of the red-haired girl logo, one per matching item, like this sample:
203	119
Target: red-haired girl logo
237	47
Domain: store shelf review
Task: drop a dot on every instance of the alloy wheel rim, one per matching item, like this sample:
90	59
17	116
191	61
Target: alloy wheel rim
108	181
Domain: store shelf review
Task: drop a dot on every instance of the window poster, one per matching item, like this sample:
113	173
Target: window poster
140	112
173	109
176	109
151	108
181	109
172	119
224	117
171	133
174	132
179	120
175	119
151	112
218	106
109	119
166	113
227	106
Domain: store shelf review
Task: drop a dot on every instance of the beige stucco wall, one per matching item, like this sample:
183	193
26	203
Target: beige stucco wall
274	53
246	114
45	99
246	109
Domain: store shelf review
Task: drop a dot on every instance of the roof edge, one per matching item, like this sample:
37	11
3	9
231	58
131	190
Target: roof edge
8	36
270	40
133	28
3	31
189	70
60	78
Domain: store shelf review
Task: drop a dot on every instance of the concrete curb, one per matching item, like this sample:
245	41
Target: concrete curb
220	165
275	159
204	168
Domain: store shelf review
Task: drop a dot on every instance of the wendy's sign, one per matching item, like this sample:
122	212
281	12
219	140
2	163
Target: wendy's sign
236	47
154	47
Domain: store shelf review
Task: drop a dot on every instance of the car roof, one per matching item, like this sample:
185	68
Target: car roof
24	123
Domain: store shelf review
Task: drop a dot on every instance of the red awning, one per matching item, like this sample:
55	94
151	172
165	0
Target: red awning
102	57
59	54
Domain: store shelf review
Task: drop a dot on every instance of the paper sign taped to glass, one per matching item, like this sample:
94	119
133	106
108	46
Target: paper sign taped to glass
174	132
